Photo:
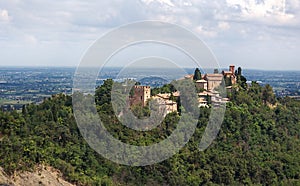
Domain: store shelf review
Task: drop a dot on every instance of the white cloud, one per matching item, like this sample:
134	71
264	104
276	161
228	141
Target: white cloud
163	2
4	16
31	39
60	26
262	10
206	32
223	25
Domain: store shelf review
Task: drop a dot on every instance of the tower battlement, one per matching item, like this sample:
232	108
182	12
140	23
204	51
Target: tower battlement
141	87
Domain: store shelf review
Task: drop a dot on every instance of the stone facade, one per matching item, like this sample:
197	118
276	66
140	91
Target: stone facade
141	95
164	101
202	84
230	74
213	80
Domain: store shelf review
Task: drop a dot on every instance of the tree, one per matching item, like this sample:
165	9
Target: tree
268	94
256	146
239	73
197	75
24	110
228	81
103	93
241	80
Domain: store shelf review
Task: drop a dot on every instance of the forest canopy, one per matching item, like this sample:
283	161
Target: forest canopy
258	143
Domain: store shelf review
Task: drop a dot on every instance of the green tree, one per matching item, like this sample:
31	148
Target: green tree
268	95
228	81
241	80
255	146
24	110
197	75
239	72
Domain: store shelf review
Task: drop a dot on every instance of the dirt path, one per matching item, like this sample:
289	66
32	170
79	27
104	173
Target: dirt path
43	175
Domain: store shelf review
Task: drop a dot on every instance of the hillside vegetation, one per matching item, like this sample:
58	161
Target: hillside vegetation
257	144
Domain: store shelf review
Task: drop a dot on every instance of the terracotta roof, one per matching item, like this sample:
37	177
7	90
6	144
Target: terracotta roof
164	96
205	94
201	81
214	77
227	72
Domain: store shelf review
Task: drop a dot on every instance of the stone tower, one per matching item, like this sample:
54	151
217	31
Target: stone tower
141	95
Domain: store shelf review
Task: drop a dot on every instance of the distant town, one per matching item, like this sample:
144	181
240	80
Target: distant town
206	86
19	86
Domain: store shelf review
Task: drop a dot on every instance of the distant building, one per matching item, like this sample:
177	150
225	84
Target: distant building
164	101
208	83
213	80
230	74
202	102
202	84
168	95
141	95
214	98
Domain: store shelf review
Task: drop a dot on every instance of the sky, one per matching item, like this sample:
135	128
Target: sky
255	34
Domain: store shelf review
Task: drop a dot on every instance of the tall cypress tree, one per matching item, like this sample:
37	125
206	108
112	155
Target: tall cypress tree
239	71
241	80
197	74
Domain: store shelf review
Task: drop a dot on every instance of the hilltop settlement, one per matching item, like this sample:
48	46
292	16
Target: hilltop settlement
206	86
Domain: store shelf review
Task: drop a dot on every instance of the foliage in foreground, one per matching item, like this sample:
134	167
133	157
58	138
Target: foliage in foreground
257	144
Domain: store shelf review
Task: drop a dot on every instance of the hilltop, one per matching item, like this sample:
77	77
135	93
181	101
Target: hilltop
257	144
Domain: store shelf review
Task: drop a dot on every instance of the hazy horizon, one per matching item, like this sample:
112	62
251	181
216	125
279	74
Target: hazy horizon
119	67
